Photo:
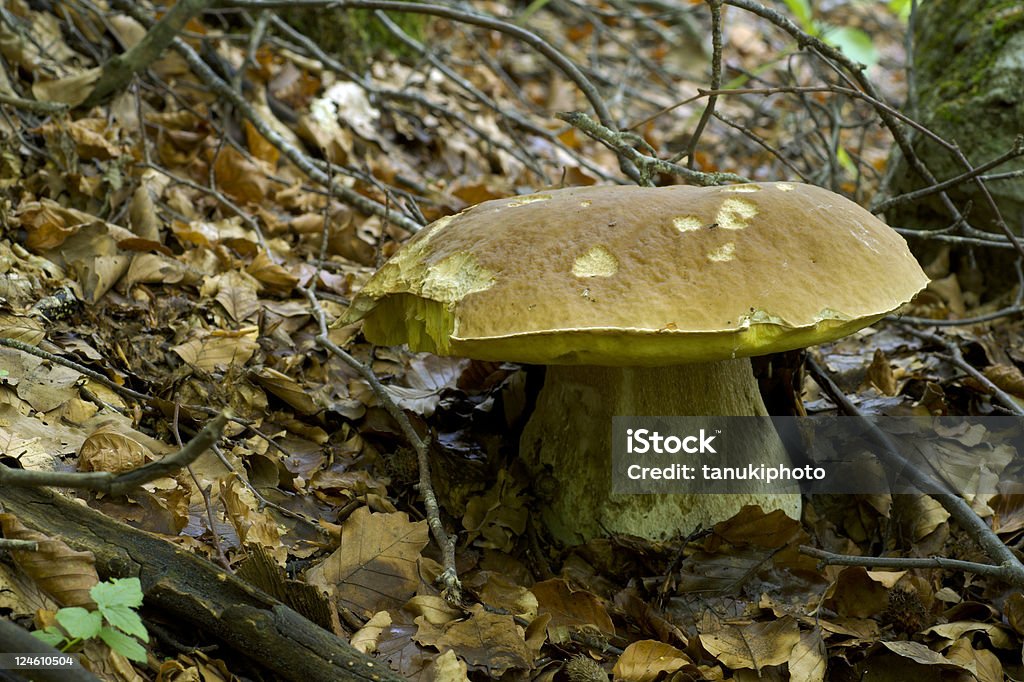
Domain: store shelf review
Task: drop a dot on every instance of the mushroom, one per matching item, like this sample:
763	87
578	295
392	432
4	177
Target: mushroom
641	301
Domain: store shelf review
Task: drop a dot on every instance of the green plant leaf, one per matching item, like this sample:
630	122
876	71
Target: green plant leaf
804	15
125	619
855	44
124	645
845	162
80	623
532	9
901	8
51	636
118	592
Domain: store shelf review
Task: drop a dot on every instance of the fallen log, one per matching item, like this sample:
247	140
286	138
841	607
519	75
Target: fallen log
199	593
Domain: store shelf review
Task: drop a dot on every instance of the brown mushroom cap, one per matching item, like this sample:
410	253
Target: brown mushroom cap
628	275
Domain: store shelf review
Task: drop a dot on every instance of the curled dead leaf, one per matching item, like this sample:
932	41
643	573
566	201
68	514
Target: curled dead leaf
63	573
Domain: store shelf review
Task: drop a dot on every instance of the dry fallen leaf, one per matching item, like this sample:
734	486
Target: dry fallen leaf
63	573
880	374
981	663
365	638
287	389
754	646
374	567
496	519
645	660
108	449
487	641
855	592
809	660
570	608
448	668
219	350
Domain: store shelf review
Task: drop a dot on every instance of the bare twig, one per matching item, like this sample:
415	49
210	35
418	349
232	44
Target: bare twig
222	558
36	105
763	144
451	588
716	81
119	484
1017	150
622	143
833	559
56	359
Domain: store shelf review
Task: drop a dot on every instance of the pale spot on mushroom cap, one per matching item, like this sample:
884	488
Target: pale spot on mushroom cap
735	214
762	317
745	189
586	203
687	223
597	262
528	199
455	277
725	252
784	187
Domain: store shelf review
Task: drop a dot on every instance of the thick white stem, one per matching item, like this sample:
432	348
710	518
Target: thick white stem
569	438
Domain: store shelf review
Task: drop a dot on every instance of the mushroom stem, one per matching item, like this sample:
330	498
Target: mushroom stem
569	437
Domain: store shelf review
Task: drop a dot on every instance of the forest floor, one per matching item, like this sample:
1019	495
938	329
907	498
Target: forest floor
178	240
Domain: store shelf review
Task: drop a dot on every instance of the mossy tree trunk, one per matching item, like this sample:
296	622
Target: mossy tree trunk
969	67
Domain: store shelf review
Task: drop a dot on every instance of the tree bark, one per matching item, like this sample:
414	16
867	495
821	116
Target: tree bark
968	65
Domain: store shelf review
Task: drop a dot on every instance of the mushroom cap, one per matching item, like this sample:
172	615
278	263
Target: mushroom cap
628	275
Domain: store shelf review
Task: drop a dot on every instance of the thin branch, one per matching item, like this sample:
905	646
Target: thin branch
119	70
833	559
716	81
56	359
119	484
1017	150
622	143
451	588
40	106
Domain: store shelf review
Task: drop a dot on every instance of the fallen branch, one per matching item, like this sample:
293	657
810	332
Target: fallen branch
118	71
833	559
200	595
118	484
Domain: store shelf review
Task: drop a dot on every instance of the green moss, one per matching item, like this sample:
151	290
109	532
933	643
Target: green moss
356	37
